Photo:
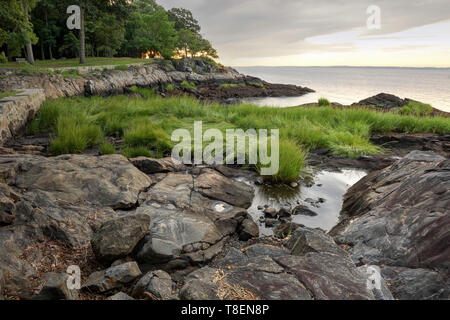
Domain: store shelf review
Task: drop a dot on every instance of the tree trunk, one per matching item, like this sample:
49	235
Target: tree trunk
46	24
29	48
42	51
82	40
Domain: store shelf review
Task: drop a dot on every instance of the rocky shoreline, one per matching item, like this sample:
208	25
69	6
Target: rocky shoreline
206	82
150	229
147	228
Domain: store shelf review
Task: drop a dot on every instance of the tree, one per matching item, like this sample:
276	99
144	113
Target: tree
184	20
17	28
28	34
149	30
107	35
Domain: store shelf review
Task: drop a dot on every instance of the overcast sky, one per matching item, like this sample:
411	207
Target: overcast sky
324	32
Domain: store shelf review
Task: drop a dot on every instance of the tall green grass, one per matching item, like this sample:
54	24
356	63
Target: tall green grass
145	124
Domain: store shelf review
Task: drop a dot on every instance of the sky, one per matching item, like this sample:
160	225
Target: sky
411	33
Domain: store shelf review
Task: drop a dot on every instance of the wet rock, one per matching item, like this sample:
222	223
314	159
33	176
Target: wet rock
55	288
271	212
285	229
120	297
156	283
117	238
303	211
416	284
399	216
112	278
270	223
248	229
284	213
151	166
213	185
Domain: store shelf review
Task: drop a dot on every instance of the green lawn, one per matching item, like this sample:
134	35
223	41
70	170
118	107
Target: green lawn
70	63
146	124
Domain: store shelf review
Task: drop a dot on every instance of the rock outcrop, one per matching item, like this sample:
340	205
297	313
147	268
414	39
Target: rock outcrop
17	110
191	214
64	200
385	101
314	268
208	81
399	219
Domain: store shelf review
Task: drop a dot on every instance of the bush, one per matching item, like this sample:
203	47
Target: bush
107	148
417	108
292	161
136	152
170	87
73	136
148	135
324	102
186	85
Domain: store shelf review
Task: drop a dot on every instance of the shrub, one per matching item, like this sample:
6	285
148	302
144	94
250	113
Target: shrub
324	102
417	108
170	87
186	85
73	136
107	148
148	135
136	152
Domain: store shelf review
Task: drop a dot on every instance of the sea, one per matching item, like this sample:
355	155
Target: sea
346	85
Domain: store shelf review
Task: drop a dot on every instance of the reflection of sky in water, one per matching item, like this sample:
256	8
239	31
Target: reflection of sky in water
330	186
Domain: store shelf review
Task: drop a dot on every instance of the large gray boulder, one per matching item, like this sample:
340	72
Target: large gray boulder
117	238
400	217
191	215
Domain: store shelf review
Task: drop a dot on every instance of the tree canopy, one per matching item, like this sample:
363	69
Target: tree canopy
111	28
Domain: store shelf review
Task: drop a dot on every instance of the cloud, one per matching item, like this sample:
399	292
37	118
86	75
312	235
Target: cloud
242	29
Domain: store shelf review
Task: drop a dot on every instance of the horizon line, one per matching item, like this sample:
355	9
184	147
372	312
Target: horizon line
339	66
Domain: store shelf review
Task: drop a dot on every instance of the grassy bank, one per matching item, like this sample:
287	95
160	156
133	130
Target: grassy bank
145	124
70	63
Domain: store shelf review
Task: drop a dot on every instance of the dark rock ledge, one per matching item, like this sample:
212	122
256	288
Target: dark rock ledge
173	233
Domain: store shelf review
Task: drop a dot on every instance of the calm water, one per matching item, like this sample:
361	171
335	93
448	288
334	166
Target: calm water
328	185
347	85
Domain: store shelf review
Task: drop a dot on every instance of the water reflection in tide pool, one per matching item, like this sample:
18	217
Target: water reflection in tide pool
330	186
